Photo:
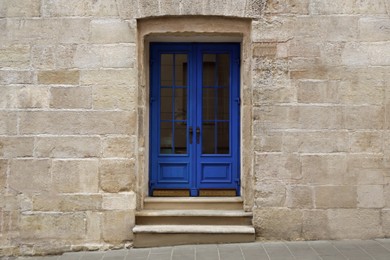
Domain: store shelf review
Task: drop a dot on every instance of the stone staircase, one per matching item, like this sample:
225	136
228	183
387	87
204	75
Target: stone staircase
192	220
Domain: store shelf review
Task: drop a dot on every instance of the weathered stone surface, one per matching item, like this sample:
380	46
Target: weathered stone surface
15	56
319	91
128	9
288	7
354	223
364	117
274	223
109	77
20	8
15	77
24	97
268	142
119	201
74	31
316	142
114	97
254	8
3	175
49	57
71	97
59	77
321	117
116	175
335	197
371	7
273	117
117	226
111	31
12	147
75	176
315	224
370	142
364	54
374	29
300	197
105	56
270	194
67	147
277	167
58	8
67	203
57	226
29	176
8	123
370	196
69	122
325	169
331	7
385	216
119	147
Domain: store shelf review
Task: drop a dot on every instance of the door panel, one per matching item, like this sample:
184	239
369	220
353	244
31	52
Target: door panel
194	116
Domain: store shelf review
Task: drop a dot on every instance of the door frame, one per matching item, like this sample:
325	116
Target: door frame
193	29
195	160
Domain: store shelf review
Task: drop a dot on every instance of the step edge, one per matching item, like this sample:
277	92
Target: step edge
204	229
195	213
193	199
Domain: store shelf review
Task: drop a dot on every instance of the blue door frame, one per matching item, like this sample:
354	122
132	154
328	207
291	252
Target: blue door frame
194	116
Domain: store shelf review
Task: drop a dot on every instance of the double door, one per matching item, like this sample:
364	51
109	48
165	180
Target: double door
194	117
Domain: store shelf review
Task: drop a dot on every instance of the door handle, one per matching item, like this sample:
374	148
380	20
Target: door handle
197	135
191	133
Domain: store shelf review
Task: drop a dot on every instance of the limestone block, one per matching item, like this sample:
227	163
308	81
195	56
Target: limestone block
124	147
15	56
111	31
12	147
300	197
364	54
172	7
278	223
335	197
58	226
58	8
8	123
67	147
255	8
59	77
365	161
354	223
385	216
149	8
276	117
319	91
20	8
109	77
325	169
24	97
331	53
315	142
114	97
119	201
321	117
374	29
287	7
67	203
378	53
74	122
273	29
15	77
94	223
268	142
106	56
191	8
75	176
303	48
71	97
43	56
270	194
3	175
277	167
231	8
264	49
117	226
371	7
356	93
321	7
315	225
370	142
33	31
370	196
29	175
364	117
74	30
117	175
274	94
128	9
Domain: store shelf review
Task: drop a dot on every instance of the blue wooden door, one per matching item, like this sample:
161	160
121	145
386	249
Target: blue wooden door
194	112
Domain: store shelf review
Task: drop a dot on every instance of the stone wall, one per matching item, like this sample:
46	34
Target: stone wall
70	157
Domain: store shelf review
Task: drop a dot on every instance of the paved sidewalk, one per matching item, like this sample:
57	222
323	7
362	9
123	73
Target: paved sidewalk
378	249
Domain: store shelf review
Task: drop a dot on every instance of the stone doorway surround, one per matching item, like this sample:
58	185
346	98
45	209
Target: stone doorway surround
194	29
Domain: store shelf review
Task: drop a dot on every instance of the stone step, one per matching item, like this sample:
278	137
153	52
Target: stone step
167	235
194	217
212	203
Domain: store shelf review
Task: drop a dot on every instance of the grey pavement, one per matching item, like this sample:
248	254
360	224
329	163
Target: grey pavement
378	249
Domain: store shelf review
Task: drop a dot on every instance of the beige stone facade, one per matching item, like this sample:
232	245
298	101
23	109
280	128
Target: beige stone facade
74	115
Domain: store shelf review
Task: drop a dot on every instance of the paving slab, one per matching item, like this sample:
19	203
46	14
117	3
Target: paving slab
254	251
230	252
278	251
302	251
207	252
351	250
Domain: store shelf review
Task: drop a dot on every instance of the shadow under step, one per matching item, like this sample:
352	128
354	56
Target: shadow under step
212	203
